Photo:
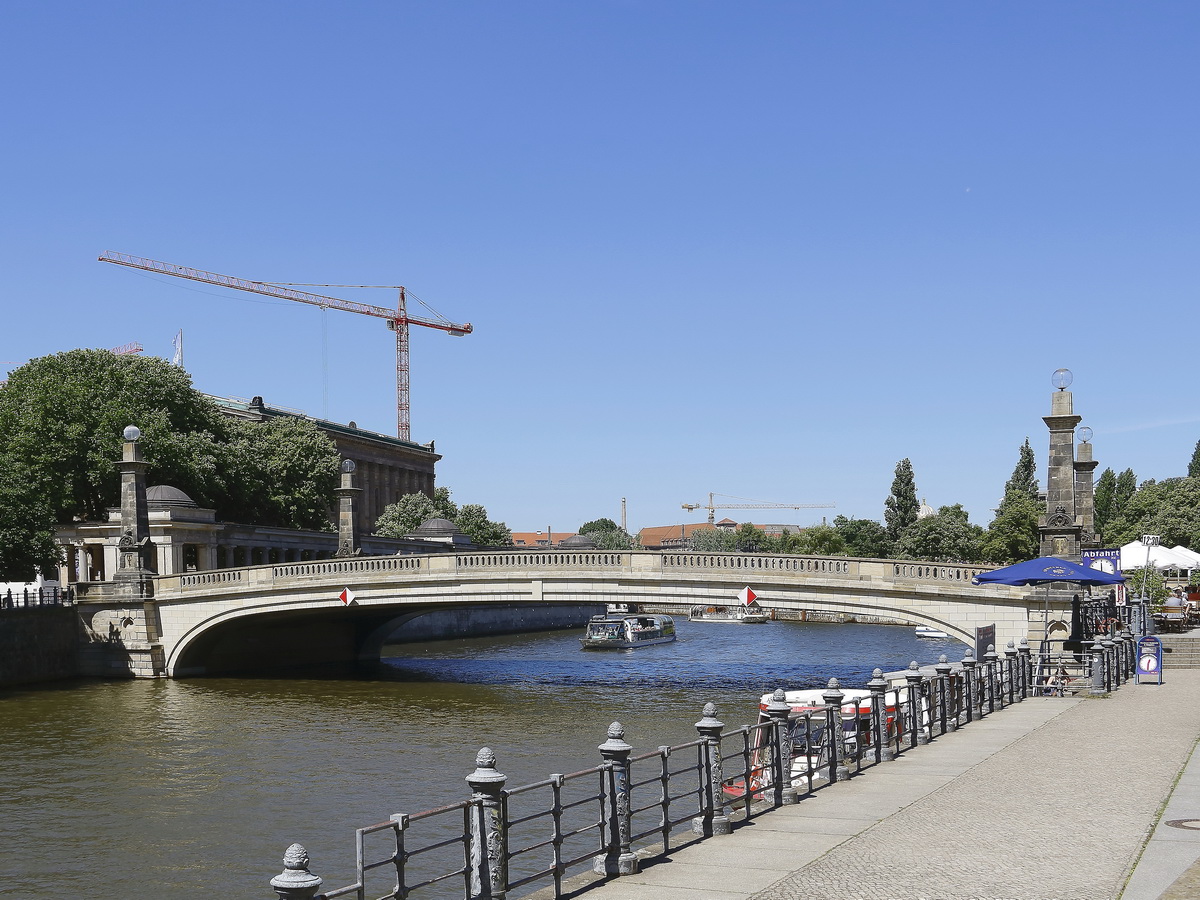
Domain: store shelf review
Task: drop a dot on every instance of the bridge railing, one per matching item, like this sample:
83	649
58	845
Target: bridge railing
610	816
29	598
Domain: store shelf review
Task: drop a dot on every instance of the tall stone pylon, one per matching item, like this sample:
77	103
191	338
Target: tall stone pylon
1062	527
349	541
135	553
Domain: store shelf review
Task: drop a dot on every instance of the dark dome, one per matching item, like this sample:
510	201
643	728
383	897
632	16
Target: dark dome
437	526
164	495
579	542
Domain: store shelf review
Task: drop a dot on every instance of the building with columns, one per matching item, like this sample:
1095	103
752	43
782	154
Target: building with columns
388	467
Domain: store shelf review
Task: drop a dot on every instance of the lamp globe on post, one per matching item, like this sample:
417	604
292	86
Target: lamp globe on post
1062	379
1085	434
132	433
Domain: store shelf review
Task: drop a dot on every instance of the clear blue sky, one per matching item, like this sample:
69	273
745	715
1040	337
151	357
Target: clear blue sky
763	249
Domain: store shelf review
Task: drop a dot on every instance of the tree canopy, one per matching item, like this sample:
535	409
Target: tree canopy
1193	469
607	534
864	538
405	515
946	536
901	506
1170	509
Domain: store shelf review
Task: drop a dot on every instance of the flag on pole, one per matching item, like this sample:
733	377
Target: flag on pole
177	342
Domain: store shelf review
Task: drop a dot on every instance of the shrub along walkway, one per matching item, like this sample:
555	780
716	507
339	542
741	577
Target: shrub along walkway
1050	798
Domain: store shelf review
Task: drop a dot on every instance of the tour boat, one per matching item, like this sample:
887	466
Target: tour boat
617	632
737	615
929	632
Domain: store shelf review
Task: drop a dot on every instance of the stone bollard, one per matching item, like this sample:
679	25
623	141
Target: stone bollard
1097	654
618	859
489	832
779	711
883	744
1026	671
990	666
949	720
295	882
916	702
1010	656
968	663
713	820
833	697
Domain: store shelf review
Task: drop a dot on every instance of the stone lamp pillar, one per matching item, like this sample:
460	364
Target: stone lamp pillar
349	543
134	550
1060	529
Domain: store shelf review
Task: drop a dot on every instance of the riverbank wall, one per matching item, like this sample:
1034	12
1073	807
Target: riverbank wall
38	644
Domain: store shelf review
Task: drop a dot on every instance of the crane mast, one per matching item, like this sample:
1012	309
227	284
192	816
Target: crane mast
397	320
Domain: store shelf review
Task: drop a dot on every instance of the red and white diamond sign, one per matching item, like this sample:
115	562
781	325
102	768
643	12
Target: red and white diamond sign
346	596
747	596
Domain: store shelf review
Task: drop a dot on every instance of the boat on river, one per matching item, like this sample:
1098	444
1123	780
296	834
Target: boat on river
927	631
621	632
737	615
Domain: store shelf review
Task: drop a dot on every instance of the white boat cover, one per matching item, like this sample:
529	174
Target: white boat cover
1135	554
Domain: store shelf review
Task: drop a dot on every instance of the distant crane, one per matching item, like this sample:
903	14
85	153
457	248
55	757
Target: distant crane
397	320
713	507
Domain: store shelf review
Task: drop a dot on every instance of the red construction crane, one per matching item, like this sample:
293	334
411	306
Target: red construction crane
713	507
397	320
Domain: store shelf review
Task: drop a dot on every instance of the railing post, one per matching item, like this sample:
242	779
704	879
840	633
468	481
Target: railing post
878	688
1109	663
1026	667
1097	654
618	859
1010	656
968	663
989	667
712	819
295	882
943	667
489	831
779	711
916	698
833	697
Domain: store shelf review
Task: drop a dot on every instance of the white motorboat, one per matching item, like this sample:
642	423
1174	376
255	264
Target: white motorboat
927	631
737	615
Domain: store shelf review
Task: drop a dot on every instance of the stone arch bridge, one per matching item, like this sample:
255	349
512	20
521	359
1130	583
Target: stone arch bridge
230	619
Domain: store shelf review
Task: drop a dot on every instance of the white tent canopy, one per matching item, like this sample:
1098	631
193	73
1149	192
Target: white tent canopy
1190	554
1135	555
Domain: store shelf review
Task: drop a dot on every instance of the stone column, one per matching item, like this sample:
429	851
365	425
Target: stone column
348	534
135	553
1060	530
1085	495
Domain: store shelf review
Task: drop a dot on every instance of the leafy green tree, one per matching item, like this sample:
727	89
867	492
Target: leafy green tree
864	538
284	472
1151	581
714	540
63	416
1105	493
27	544
750	539
1194	465
820	540
1170	509
1013	534
901	506
1024	476
607	534
406	514
946	536
473	521
1123	492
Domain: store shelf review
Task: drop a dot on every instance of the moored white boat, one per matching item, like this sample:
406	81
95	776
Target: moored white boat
927	631
621	632
737	615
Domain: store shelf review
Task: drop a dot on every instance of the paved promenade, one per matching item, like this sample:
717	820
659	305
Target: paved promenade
1051	798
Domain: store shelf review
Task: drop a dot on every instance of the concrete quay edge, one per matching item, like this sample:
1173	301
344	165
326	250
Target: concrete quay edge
834	843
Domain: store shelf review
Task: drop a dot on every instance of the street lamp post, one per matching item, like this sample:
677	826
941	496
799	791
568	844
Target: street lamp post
1150	540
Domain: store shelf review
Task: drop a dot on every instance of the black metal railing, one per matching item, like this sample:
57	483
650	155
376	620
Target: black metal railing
27	598
607	817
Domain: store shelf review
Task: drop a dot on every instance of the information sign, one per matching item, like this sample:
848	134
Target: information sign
1149	660
985	636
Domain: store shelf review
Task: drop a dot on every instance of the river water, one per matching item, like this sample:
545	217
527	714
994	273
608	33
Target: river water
121	790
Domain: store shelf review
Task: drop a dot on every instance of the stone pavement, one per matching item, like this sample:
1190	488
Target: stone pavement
1051	799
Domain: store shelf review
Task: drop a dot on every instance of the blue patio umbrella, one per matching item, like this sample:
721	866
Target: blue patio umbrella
1045	570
